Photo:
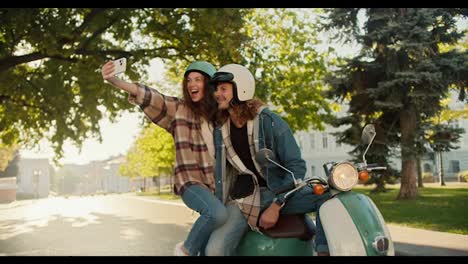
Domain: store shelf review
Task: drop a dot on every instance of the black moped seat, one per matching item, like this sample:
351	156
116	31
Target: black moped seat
291	226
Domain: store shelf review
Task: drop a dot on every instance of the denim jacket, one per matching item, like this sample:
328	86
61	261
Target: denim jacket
268	130
274	133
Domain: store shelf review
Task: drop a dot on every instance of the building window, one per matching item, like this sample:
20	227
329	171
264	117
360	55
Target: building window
427	167
312	141
454	166
325	140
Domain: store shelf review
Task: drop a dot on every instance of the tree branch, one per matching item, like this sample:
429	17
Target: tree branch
87	20
98	32
11	61
20	102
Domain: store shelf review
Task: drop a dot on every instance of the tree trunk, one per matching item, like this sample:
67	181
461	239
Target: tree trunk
441	169
379	187
171	184
159	185
408	189
420	178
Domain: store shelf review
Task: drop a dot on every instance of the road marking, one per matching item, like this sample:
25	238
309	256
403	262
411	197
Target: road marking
159	201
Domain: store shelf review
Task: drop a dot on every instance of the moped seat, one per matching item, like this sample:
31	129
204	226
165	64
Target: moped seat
291	226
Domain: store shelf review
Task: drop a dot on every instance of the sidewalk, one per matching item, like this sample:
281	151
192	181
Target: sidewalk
419	242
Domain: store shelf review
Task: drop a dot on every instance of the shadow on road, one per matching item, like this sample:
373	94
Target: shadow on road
405	249
99	235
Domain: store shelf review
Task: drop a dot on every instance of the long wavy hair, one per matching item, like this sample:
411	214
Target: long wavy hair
246	110
207	106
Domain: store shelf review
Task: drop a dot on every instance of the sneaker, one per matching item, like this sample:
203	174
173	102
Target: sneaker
179	251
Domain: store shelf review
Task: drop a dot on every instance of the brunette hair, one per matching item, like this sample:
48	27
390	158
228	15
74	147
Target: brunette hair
246	110
207	106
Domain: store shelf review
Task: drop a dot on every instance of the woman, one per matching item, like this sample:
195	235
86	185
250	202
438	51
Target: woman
248	126
189	120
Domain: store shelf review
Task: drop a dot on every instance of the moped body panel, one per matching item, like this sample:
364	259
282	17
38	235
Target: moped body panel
342	234
354	226
256	244
391	248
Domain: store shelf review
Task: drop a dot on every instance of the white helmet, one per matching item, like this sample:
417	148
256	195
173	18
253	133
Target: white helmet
240	76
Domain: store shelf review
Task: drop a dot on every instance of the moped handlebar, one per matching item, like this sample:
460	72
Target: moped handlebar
306	181
374	167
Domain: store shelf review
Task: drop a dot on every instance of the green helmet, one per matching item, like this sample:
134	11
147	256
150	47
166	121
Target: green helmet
202	67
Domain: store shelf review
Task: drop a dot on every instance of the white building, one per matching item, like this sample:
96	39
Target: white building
33	177
112	181
319	147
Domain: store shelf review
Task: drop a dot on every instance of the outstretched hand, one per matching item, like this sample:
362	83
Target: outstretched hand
107	72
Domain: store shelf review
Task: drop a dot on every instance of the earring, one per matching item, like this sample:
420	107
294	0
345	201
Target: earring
233	103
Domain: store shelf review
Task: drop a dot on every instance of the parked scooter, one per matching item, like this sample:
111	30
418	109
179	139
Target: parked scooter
352	223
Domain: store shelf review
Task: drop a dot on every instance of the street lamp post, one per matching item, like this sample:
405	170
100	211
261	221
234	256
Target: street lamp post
36	176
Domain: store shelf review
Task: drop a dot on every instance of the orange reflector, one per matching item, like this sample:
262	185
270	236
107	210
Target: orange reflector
318	189
363	176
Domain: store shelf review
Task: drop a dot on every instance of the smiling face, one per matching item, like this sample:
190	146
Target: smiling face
195	86
224	94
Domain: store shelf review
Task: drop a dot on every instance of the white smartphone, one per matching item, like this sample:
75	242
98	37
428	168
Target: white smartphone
120	65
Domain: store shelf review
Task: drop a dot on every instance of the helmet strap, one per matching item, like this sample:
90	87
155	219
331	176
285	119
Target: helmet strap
235	100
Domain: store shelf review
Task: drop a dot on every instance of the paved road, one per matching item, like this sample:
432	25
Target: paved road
418	242
128	225
105	225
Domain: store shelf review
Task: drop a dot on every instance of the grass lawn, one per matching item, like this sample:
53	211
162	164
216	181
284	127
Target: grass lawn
162	195
439	209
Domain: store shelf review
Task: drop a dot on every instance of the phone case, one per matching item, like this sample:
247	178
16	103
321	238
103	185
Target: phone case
120	65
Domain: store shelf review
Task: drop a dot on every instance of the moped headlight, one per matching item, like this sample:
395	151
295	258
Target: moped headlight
344	176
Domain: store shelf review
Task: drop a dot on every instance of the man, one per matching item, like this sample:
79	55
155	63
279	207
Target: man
246	127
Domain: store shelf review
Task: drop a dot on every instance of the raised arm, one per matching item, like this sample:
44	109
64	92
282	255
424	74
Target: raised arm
158	108
107	74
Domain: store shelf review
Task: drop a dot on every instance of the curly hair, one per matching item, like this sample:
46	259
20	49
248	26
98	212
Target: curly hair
246	110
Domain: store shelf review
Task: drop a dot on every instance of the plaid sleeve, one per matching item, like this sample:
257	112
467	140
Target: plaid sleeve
158	108
188	168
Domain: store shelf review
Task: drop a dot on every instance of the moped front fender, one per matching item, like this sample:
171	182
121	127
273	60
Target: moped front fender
354	226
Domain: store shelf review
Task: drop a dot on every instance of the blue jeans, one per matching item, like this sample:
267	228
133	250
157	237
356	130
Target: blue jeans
224	240
213	214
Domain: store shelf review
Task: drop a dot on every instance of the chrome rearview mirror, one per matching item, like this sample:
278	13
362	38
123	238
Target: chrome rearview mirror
264	156
367	137
368	134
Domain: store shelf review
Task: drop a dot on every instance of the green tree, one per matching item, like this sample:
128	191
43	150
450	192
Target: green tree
283	56
50	62
12	168
288	68
7	154
400	76
444	137
151	155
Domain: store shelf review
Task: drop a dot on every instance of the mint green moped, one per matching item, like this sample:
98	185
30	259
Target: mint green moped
352	223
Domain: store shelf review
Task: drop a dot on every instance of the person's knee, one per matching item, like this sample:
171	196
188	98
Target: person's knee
215	249
218	217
